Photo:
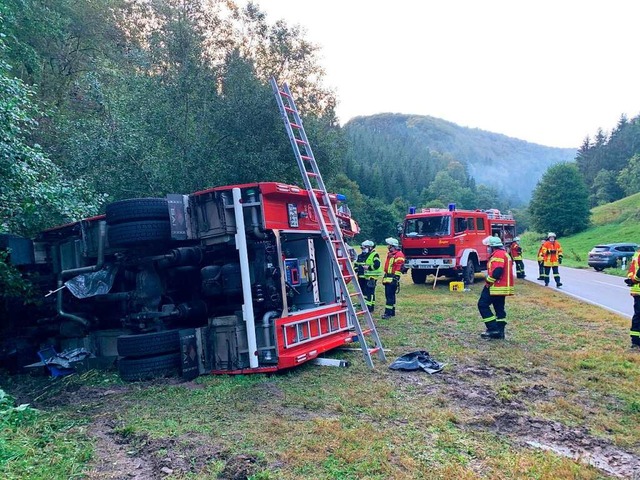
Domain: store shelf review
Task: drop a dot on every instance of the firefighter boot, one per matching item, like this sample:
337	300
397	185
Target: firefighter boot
635	343
492	329
388	313
501	327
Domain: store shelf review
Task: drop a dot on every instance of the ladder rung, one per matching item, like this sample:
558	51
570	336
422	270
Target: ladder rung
361	312
294	125
367	331
312	174
302	142
354	294
306	157
373	350
284	94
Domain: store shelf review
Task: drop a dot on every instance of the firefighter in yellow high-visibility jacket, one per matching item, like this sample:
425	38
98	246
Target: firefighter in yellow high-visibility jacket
633	280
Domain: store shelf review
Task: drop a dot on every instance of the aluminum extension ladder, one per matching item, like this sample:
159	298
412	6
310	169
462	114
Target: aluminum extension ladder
331	231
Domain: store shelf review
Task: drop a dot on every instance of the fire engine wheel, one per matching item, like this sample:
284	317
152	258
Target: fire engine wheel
418	276
138	233
469	273
132	369
147	344
137	209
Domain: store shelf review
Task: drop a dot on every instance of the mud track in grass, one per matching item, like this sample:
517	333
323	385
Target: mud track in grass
462	389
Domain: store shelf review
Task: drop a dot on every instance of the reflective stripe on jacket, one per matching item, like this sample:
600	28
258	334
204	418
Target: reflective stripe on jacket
393	266
373	262
500	260
551	253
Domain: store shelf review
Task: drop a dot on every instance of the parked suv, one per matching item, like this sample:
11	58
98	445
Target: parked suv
611	255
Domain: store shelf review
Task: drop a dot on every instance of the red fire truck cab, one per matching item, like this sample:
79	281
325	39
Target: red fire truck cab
234	279
449	242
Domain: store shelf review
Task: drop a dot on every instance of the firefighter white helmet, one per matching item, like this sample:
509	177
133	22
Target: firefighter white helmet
367	244
492	242
516	239
392	242
551	234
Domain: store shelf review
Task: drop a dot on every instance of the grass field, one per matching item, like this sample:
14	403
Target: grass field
558	395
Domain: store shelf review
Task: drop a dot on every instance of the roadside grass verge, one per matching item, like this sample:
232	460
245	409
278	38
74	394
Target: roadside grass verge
562	379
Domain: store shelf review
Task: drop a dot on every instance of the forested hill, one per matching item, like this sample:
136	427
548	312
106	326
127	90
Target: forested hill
419	146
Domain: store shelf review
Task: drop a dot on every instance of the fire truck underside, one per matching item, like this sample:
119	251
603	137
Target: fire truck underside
239	275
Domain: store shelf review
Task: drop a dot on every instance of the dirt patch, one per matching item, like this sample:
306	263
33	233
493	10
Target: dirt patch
468	389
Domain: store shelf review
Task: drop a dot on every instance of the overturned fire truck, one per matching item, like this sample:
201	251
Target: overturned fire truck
235	279
244	266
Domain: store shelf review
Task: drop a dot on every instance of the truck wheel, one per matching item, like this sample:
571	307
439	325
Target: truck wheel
148	344
469	273
418	276
147	368
135	209
137	233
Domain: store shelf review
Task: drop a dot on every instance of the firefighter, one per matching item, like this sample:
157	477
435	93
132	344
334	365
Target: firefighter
498	285
393	267
633	280
552	257
516	254
540	259
369	268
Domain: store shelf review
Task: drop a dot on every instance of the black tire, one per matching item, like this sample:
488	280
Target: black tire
139	233
132	369
148	344
136	209
418	276
469	273
598	269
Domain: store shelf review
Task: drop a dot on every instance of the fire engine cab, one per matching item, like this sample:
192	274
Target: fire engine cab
448	242
234	279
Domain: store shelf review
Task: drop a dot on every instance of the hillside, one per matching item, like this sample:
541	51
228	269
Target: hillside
613	222
510	165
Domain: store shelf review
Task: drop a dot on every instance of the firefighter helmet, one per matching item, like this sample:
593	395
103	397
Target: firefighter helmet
551	234
516	239
492	242
367	244
392	242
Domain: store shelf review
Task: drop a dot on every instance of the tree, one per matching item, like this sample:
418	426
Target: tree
629	177
34	193
605	188
560	201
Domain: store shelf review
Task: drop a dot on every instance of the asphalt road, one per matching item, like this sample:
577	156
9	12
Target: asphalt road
597	288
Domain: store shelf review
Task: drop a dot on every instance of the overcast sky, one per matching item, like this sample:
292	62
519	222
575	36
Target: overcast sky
546	71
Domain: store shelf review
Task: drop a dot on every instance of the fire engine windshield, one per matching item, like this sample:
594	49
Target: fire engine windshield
435	226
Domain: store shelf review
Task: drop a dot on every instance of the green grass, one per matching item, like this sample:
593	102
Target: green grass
563	362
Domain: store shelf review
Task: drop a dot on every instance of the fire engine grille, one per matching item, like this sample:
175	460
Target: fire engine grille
429	252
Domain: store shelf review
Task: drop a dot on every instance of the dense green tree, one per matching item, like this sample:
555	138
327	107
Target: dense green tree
629	177
34	194
560	201
605	188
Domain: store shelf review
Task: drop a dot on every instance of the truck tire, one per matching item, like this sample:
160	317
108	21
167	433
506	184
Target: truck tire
418	276
147	368
135	209
469	273
139	233
148	344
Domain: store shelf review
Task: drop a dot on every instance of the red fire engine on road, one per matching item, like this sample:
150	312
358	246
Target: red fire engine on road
449	241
